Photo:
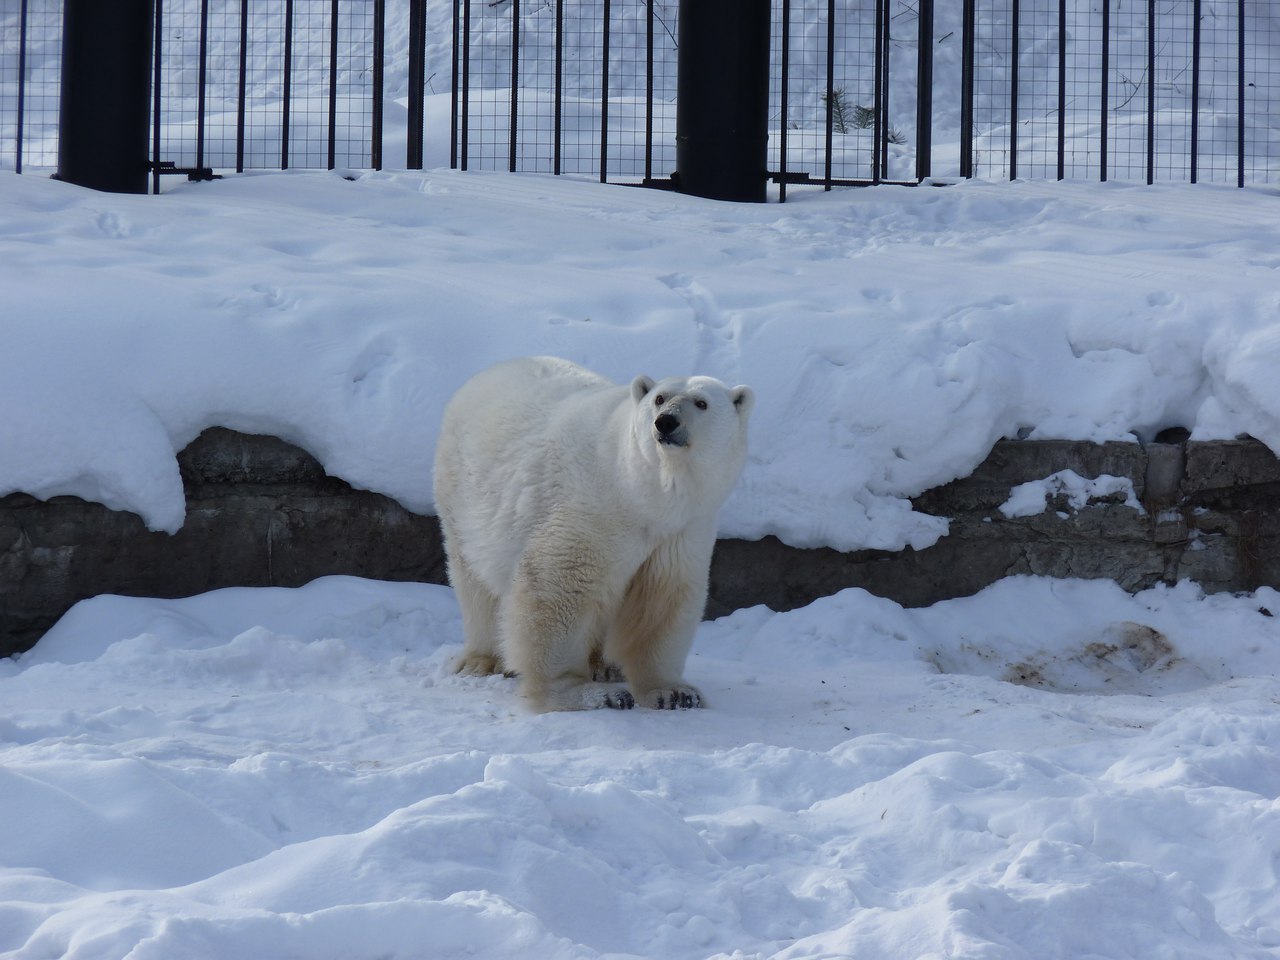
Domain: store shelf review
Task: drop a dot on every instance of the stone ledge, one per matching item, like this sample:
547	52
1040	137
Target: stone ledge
262	512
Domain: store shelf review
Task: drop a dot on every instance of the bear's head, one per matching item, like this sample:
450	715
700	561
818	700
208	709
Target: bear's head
693	417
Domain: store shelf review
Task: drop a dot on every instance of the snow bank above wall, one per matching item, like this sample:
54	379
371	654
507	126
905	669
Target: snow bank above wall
892	335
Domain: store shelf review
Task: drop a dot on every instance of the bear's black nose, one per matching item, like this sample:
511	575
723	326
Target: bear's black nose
666	423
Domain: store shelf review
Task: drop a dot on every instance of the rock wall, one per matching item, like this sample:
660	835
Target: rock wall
261	512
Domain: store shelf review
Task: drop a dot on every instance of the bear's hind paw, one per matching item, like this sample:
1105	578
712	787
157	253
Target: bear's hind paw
590	696
679	697
479	665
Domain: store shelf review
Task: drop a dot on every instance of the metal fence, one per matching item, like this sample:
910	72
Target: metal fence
1105	89
589	88
30	66
236	84
861	91
1186	90
272	83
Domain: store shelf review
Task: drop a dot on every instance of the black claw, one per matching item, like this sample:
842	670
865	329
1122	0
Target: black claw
620	701
678	700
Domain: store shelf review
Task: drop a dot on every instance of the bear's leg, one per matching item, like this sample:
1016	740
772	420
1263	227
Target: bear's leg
602	669
480	653
548	633
655	625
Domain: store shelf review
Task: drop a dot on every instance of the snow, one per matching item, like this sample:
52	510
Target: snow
894	333
1049	769
1031	498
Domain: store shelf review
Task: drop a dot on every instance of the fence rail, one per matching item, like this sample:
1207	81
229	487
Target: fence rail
861	91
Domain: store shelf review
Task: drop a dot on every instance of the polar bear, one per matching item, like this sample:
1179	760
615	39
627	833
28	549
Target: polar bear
579	518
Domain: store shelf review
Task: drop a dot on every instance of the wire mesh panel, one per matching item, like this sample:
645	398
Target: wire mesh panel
260	114
30	77
235	83
588	87
581	87
992	99
582	82
267	83
1140	90
490	44
1258	85
641	142
1079	64
1129	82
835	116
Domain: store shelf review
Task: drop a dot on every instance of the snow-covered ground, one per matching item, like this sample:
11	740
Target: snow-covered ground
296	773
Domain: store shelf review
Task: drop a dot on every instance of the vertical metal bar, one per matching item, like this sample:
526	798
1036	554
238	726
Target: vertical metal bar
1240	95
379	55
557	108
333	84
418	84
831	89
513	134
604	98
783	94
156	80
287	86
1151	91
648	96
880	126
924	92
1195	91
202	81
1062	89
1106	85
418	55
1013	89
885	126
242	84
966	88
22	86
466	82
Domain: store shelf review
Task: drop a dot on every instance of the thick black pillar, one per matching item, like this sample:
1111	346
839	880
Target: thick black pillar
722	99
418	79
106	81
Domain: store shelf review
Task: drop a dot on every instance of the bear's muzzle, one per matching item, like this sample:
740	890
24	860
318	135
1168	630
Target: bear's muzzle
670	431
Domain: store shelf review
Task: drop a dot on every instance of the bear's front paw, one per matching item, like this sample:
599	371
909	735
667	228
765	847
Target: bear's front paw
678	697
619	698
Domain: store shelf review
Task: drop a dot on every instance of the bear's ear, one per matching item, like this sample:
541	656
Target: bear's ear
743	398
640	387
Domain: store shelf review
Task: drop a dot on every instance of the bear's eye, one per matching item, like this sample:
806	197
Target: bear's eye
700	404
659	400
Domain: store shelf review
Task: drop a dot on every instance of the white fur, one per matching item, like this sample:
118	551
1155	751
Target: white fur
573	534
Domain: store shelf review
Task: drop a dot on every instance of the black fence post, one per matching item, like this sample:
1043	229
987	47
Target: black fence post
924	91
722	99
22	87
966	87
106	83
